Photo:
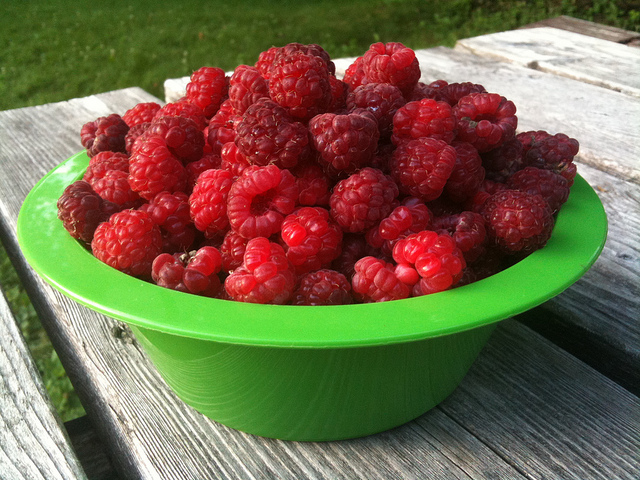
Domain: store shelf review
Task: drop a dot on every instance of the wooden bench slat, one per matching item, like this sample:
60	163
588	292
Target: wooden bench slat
585	27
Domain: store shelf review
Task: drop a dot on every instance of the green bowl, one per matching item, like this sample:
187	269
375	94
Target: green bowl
308	373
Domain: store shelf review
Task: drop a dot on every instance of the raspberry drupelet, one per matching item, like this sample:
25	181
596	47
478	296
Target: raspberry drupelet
208	202
412	216
104	134
423	118
314	186
108	175
194	272
375	280
233	160
232	251
208	88
323	287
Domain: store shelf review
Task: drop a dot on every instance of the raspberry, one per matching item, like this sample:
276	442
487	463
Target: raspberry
141	113
195	272
502	162
208	202
412	216
311	239
323	287
424	118
555	153
232	250
381	99
246	86
391	63
133	134
382	158
153	169
433	90
181	135
453	92
182	108
265	61
104	134
268	57
170	211
517	222
360	201
422	167
487	188
232	160
108	175
313	185
375	280
268	135
339	92
222	128
194	169
300	83
129	242
551	186
260	199
354	75
486	120
345	142
528	139
265	275
102	162
467	230
207	89
81	210
467	175
435	257
354	247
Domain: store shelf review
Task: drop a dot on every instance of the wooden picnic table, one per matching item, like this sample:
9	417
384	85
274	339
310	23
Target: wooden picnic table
554	394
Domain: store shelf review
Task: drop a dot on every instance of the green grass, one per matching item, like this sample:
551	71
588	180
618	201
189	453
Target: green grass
56	49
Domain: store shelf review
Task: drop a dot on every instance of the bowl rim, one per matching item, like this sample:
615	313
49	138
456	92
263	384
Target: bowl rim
70	268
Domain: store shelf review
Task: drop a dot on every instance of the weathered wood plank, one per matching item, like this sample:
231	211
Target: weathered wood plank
585	27
33	443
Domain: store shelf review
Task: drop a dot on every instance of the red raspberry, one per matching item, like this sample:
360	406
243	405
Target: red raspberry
435	257
246	86
182	108
222	128
375	280
555	153
339	92
313	185
153	168
487	188
195	272
453	92
468	232
265	275
170	211
354	247
517	222
360	201
194	169
232	160
381	99
467	175
129	242
323	287
108	175
268	135
102	162
530	138
434	90
208	202
268	57
551	186
265	61
412	216
260	199
207	89
345	142
300	83
311	239
391	63
503	161
133	134
181	135
104	134
232	250
142	113
81	210
486	120
422	167
354	75
424	118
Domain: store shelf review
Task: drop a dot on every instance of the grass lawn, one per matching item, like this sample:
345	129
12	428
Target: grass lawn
56	49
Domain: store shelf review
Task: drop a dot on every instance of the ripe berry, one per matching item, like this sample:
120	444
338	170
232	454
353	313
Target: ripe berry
208	202
424	118
221	128
554	152
233	160
143	112
313	185
375	280
322	287
195	272
354	75
181	135
468	232
391	63
381	99
503	161
232	250
246	86
182	108
208	88
170	211
104	134
551	186
467	175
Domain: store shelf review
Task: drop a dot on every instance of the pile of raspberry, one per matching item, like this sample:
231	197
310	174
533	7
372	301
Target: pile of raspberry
282	183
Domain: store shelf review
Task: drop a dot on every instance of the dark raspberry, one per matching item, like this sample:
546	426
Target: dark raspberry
486	120
208	202
311	239
382	158
517	222
354	75
487	188
555	153
354	247
260	199
424	118
142	113
232	250
551	186
181	135
207	89
502	162
314	186
345	142
433	90
268	135
265	275
194	169
170	211
381	99
360	201
391	63
104	134
195	272
422	167
375	280
129	242
222	128
453	92
133	134
530	138
182	108
339	92
468	232
467	175
323	287
232	160
246	86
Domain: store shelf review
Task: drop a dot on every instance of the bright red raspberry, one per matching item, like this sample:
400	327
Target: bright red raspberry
412	216
311	239
81	210
314	186
424	118
182	108
265	61
222	128
260	199
208	202
143	112
360	201
194	169
375	280
170	211
102	162
108	175
268	135
503	161
232	160
422	167
194	272
354	75
435	257
133	134
551	186
486	120
129	242
517	222
555	153
181	135
391	63
467	175
381	99
265	275
104	134
246	86
232	251
323	287
468	232
208	88
345	142
300	83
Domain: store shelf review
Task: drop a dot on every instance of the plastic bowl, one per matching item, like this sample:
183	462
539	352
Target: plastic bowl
309	373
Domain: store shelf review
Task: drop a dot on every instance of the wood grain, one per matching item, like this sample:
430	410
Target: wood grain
585	27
